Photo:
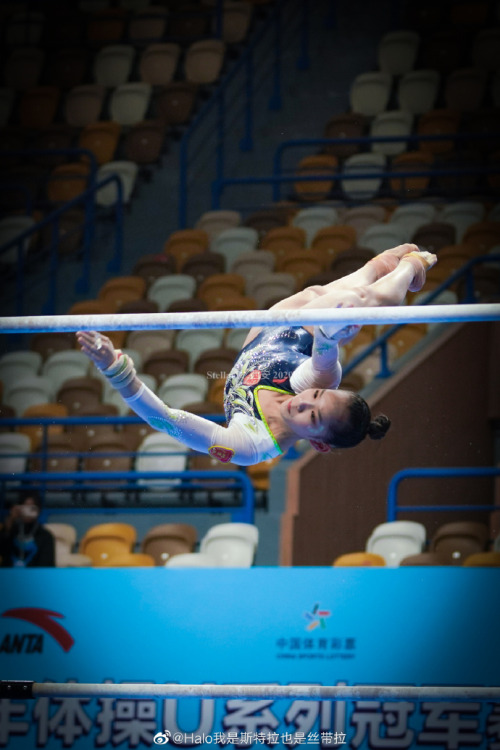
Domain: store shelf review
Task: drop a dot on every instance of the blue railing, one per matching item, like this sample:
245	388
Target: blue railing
87	199
393	507
245	67
278	178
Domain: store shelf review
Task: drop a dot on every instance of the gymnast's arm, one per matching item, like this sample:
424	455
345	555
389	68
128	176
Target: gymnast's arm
225	443
323	369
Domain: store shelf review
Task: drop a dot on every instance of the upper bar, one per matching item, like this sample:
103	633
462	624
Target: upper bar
250	318
294	692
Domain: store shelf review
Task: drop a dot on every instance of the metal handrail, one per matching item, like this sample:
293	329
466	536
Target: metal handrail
436	472
243	512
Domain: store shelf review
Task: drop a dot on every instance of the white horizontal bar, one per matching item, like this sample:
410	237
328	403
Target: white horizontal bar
294	692
249	318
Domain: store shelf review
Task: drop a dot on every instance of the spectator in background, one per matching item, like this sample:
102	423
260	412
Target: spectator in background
24	542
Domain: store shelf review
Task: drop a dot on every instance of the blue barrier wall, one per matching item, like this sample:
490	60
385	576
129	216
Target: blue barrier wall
264	625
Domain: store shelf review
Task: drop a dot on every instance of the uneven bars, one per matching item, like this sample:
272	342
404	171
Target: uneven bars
250	318
23	689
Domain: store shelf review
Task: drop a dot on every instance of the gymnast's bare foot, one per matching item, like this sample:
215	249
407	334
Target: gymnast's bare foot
421	261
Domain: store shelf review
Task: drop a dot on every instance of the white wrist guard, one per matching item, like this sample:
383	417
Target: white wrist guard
121	372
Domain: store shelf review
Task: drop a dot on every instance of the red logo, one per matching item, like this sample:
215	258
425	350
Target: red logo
43	619
221	454
279	380
252	378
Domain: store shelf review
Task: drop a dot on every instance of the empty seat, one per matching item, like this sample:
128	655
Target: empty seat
180	390
129	560
217	221
158	63
107	453
411	162
203	265
404	339
64	365
462	214
464	89
391	124
14	451
24	27
359	560
282	240
330	241
345	126
166	362
80	393
203	61
184	243
106	25
362	217
252	264
167	289
485	52
369	93
65	539
418	91
83	104
443	50
233	242
435	235
50	342
458	540
270	287
363	188
265	220
144	142
68	67
29	390
166	540
380	237
147	342
126	172
192	560
19	364
213	289
10	228
236	18
152	266
397	52
314	218
175	102
129	102
312	166
233	545
23	68
302	264
100	542
121	289
438	122
38	107
397	540
148	24
483	560
217	360
113	65
160	452
101	138
67	181
36	432
411	216
483	235
194	342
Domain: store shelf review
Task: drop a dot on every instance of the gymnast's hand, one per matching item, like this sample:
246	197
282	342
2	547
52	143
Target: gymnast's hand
98	347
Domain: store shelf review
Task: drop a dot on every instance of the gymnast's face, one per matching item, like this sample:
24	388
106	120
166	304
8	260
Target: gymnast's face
314	412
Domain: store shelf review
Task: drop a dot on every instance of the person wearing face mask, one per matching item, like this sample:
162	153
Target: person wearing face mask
24	542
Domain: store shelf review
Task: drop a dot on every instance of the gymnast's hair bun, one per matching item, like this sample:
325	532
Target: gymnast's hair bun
378	427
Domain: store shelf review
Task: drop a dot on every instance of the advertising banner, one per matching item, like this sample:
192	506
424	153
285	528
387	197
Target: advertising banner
324	626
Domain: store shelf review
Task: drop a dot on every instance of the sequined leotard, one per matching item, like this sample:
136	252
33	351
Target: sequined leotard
267	362
283	359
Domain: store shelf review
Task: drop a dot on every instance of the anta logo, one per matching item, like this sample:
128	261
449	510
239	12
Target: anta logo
32	643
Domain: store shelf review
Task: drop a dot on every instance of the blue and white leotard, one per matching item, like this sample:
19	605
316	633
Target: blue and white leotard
282	359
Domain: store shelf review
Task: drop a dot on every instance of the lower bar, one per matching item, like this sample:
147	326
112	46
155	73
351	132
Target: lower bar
15	689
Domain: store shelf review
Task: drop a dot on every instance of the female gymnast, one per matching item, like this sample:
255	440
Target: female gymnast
283	385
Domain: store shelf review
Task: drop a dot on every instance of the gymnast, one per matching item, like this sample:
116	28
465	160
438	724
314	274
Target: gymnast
283	385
